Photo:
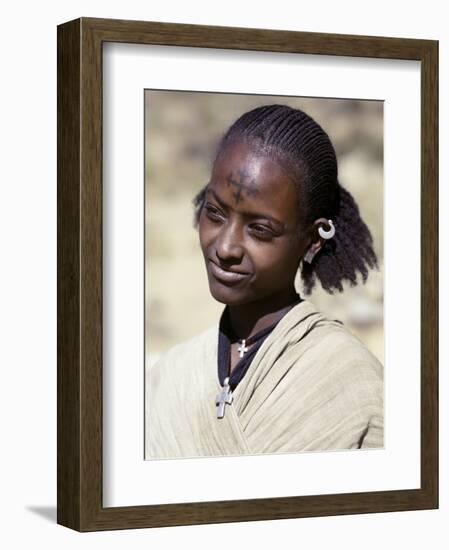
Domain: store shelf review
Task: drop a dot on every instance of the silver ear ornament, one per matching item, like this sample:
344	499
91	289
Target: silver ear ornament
327	234
309	255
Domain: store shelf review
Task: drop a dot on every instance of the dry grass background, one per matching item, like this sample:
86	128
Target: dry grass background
182	130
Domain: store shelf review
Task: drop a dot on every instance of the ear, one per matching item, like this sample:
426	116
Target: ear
316	241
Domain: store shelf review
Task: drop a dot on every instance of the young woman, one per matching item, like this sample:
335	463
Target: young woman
275	375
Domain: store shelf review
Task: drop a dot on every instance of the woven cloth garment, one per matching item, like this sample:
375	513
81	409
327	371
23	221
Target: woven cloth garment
312	386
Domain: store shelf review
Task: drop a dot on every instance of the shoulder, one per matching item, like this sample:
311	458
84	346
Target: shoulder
347	350
188	351
338	369
333	353
347	373
330	337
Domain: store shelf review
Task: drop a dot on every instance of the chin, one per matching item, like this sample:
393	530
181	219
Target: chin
230	296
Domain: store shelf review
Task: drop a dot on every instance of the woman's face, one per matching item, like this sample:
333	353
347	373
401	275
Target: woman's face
249	228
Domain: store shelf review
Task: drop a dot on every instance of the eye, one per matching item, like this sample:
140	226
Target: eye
213	213
261	232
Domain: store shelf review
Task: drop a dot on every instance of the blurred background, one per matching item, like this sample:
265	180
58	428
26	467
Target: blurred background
182	130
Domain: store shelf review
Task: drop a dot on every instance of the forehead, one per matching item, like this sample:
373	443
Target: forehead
248	178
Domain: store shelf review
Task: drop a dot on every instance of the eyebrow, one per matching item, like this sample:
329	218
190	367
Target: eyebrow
223	204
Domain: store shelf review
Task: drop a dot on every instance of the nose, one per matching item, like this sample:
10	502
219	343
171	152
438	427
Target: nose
228	246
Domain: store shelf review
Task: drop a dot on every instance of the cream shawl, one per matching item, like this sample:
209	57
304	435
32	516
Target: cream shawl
311	386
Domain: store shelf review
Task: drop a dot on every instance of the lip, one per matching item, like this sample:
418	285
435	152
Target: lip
226	275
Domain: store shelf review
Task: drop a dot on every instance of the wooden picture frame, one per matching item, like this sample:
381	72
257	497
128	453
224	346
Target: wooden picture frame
80	353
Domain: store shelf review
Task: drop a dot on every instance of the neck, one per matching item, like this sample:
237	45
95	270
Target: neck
248	319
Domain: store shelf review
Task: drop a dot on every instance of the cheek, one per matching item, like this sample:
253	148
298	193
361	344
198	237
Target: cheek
202	235
278	264
205	232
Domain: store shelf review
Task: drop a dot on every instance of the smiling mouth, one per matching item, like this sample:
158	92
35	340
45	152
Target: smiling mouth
226	275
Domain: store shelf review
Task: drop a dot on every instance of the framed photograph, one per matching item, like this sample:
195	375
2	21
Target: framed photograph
247	274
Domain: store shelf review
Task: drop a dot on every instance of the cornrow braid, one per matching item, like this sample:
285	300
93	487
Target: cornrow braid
292	138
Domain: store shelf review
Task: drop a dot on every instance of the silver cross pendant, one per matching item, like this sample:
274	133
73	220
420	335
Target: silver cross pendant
225	397
243	348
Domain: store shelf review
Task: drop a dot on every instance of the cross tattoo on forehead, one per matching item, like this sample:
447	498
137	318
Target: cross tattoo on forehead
242	182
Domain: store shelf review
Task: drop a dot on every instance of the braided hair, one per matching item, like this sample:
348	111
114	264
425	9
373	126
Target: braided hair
292	138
